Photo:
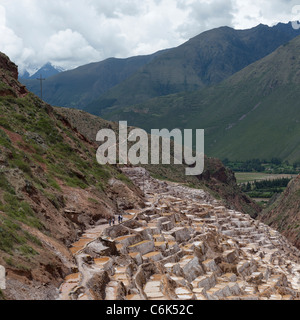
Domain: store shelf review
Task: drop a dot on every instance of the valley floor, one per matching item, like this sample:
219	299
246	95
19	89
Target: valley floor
244	177
182	246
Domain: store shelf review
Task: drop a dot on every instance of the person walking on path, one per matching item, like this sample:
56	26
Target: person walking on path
113	220
109	222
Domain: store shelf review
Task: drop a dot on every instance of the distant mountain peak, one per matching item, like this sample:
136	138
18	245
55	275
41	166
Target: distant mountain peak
47	70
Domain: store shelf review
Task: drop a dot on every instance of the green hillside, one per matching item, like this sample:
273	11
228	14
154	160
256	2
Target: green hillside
253	114
78	87
46	170
283	213
204	60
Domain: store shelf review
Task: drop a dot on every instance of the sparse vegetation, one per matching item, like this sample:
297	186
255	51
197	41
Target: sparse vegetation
123	178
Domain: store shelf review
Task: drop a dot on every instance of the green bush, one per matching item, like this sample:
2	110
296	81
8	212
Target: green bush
123	178
27	251
52	183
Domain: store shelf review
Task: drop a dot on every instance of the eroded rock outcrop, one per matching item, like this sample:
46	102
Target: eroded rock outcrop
9	78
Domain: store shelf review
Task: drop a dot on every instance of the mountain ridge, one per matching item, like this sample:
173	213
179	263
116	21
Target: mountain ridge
241	116
75	88
204	60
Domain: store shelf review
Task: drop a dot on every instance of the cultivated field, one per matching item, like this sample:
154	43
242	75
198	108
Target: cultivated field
244	177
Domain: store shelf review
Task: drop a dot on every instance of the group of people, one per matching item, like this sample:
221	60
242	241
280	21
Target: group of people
111	221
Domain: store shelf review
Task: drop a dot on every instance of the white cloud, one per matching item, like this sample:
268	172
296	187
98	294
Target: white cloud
75	32
254	12
11	44
205	15
69	48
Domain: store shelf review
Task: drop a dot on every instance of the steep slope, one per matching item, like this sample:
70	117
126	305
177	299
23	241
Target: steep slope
51	189
216	179
9	85
284	214
78	87
253	114
207	59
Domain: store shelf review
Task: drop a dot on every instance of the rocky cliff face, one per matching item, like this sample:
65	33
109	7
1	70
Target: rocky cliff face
222	182
284	213
9	84
8	66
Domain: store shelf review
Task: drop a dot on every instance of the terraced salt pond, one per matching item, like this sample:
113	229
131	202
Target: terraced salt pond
184	246
73	281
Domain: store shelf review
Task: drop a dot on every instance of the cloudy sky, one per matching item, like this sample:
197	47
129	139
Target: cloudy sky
70	33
